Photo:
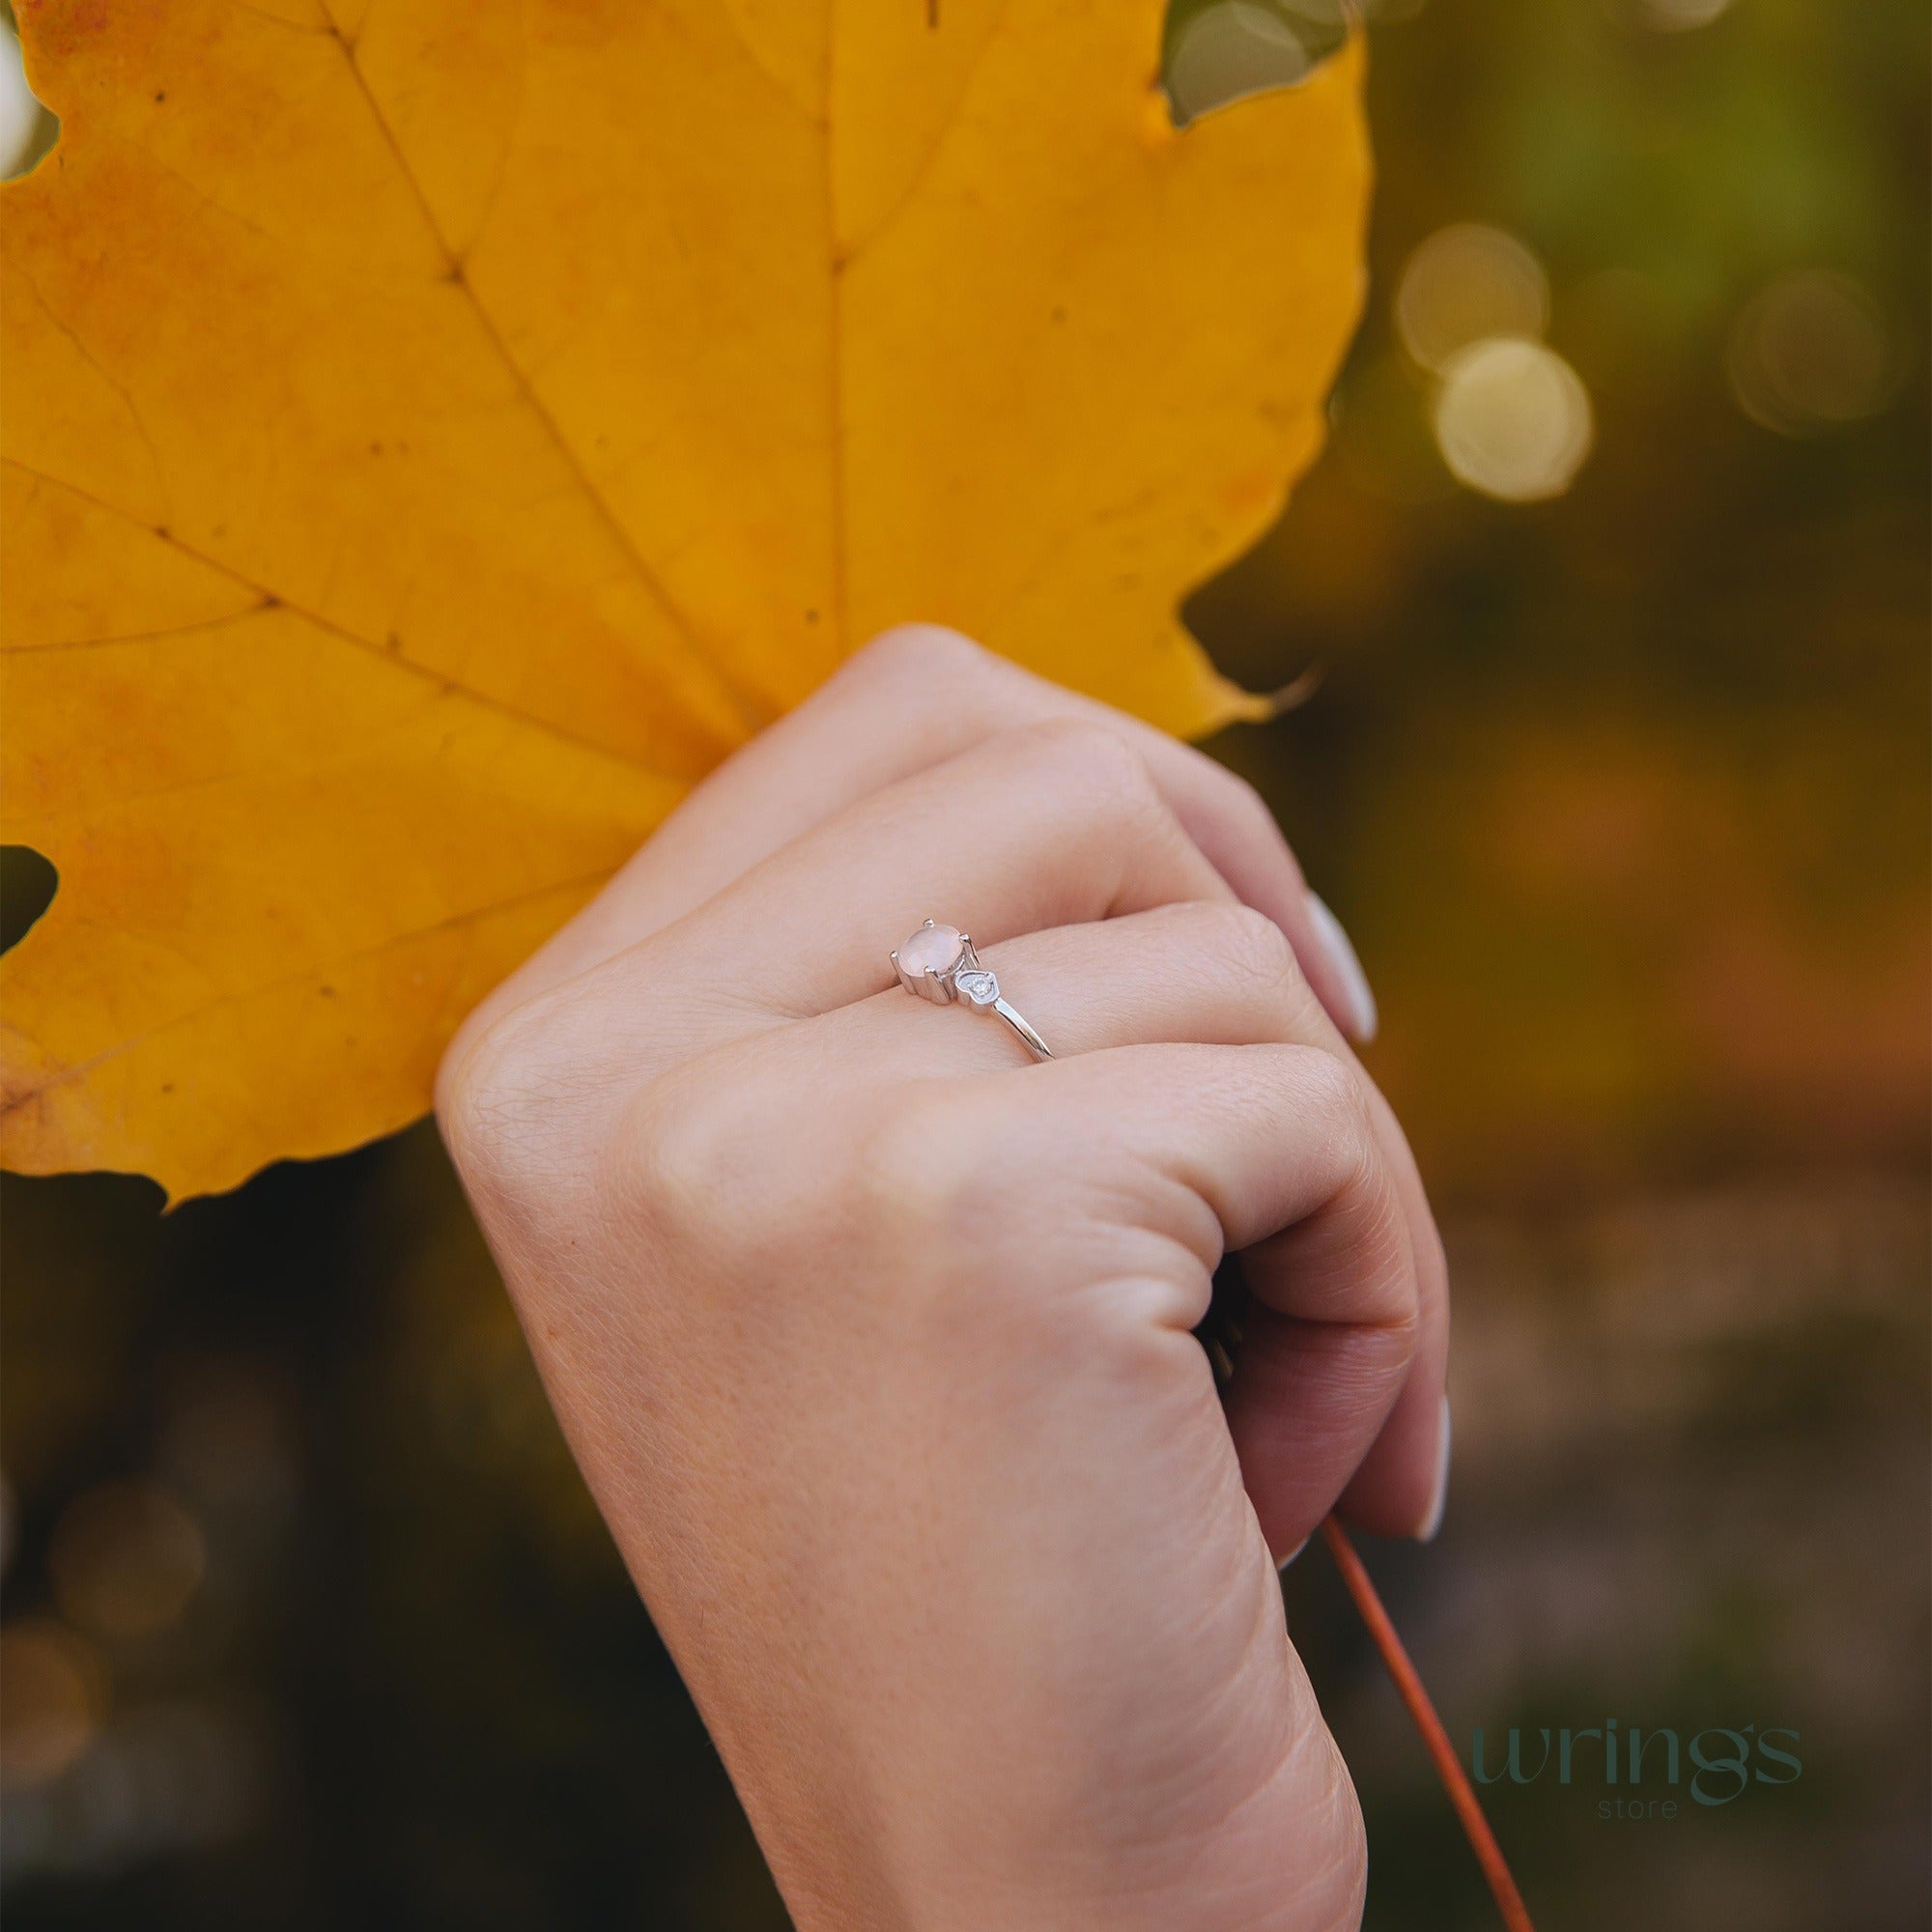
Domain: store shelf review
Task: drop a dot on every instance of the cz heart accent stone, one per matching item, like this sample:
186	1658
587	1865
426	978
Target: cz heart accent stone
977	985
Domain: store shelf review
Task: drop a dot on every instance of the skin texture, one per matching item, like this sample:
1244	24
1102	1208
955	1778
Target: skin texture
872	1337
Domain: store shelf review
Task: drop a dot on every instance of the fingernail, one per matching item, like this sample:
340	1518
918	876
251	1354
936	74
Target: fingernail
1342	955
1292	1555
1432	1521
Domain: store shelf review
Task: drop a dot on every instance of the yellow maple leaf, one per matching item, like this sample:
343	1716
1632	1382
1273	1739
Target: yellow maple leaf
436	433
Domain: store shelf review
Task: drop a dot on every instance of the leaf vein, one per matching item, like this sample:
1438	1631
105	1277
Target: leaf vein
754	712
395	660
359	955
931	158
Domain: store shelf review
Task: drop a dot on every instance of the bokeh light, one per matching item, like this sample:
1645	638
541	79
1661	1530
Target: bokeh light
1232	48
1513	420
1467	284
1810	352
53	1695
126	1558
224	1440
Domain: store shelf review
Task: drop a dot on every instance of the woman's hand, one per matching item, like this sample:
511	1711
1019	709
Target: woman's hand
872	1338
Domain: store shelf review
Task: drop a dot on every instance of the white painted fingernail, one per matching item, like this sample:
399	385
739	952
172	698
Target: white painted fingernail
1292	1555
1347	965
1432	1521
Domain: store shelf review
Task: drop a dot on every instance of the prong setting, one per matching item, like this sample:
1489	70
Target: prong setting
939	963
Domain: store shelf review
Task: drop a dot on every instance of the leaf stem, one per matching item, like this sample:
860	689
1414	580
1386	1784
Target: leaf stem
1435	1740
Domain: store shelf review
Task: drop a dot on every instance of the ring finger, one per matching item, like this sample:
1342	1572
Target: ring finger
1216	973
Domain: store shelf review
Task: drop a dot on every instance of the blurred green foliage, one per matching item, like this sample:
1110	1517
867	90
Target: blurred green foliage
1622	795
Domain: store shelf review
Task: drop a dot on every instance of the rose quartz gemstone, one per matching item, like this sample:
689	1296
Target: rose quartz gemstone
931	949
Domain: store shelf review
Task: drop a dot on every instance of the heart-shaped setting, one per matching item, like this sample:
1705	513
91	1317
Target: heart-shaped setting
977	985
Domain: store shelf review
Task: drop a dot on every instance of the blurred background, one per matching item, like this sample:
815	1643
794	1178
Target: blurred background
1615	576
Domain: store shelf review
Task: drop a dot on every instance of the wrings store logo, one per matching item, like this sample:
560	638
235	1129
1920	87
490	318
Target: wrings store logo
1636	1768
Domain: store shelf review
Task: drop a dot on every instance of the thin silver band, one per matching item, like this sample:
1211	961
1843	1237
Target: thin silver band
961	979
1035	1045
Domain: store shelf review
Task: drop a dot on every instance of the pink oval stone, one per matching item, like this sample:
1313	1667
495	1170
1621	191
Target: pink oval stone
933	948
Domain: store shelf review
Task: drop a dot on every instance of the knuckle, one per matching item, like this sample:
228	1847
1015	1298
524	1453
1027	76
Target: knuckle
1397	1304
1110	775
1364	1190
463	1081
1329	1091
1251	945
930	1185
1333	1093
928	656
915	1170
497	1097
684	1160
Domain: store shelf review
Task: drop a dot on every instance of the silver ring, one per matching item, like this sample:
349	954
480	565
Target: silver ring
938	963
